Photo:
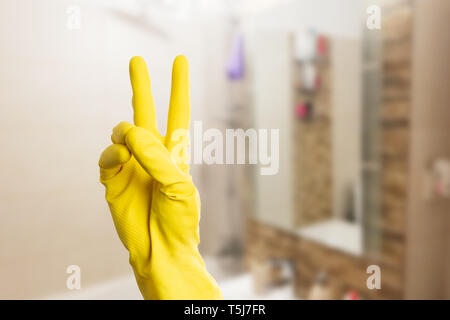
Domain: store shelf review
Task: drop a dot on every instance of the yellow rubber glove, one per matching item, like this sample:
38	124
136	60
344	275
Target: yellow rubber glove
154	203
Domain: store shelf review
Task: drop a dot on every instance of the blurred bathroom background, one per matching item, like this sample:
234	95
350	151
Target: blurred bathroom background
359	90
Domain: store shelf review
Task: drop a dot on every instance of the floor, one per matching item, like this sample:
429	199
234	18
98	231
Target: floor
239	287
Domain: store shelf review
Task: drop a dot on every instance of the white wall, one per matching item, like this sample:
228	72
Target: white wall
61	93
428	223
271	97
335	18
346	131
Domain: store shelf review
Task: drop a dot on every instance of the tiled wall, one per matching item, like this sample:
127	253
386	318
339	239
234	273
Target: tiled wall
311	149
346	271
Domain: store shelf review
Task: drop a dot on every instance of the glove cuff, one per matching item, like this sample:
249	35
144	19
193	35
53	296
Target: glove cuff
190	283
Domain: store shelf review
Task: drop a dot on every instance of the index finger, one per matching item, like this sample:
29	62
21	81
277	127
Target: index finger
144	108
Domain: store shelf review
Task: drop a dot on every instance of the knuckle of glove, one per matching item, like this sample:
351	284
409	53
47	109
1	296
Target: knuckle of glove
179	190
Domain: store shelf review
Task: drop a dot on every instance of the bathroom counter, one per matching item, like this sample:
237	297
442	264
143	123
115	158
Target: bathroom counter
337	234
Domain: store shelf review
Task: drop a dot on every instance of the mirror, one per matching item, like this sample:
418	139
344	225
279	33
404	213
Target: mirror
314	87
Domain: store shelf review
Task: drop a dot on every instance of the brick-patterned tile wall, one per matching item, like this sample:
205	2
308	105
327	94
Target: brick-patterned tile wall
311	149
310	258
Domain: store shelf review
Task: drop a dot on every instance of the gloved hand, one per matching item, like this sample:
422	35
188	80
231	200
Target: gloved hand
154	203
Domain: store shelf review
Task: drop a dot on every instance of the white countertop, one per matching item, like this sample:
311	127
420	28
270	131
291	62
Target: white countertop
337	234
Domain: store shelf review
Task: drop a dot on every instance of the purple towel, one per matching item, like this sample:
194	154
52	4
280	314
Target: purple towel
235	64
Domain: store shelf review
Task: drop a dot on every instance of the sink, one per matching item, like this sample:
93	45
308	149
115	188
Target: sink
241	288
337	234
